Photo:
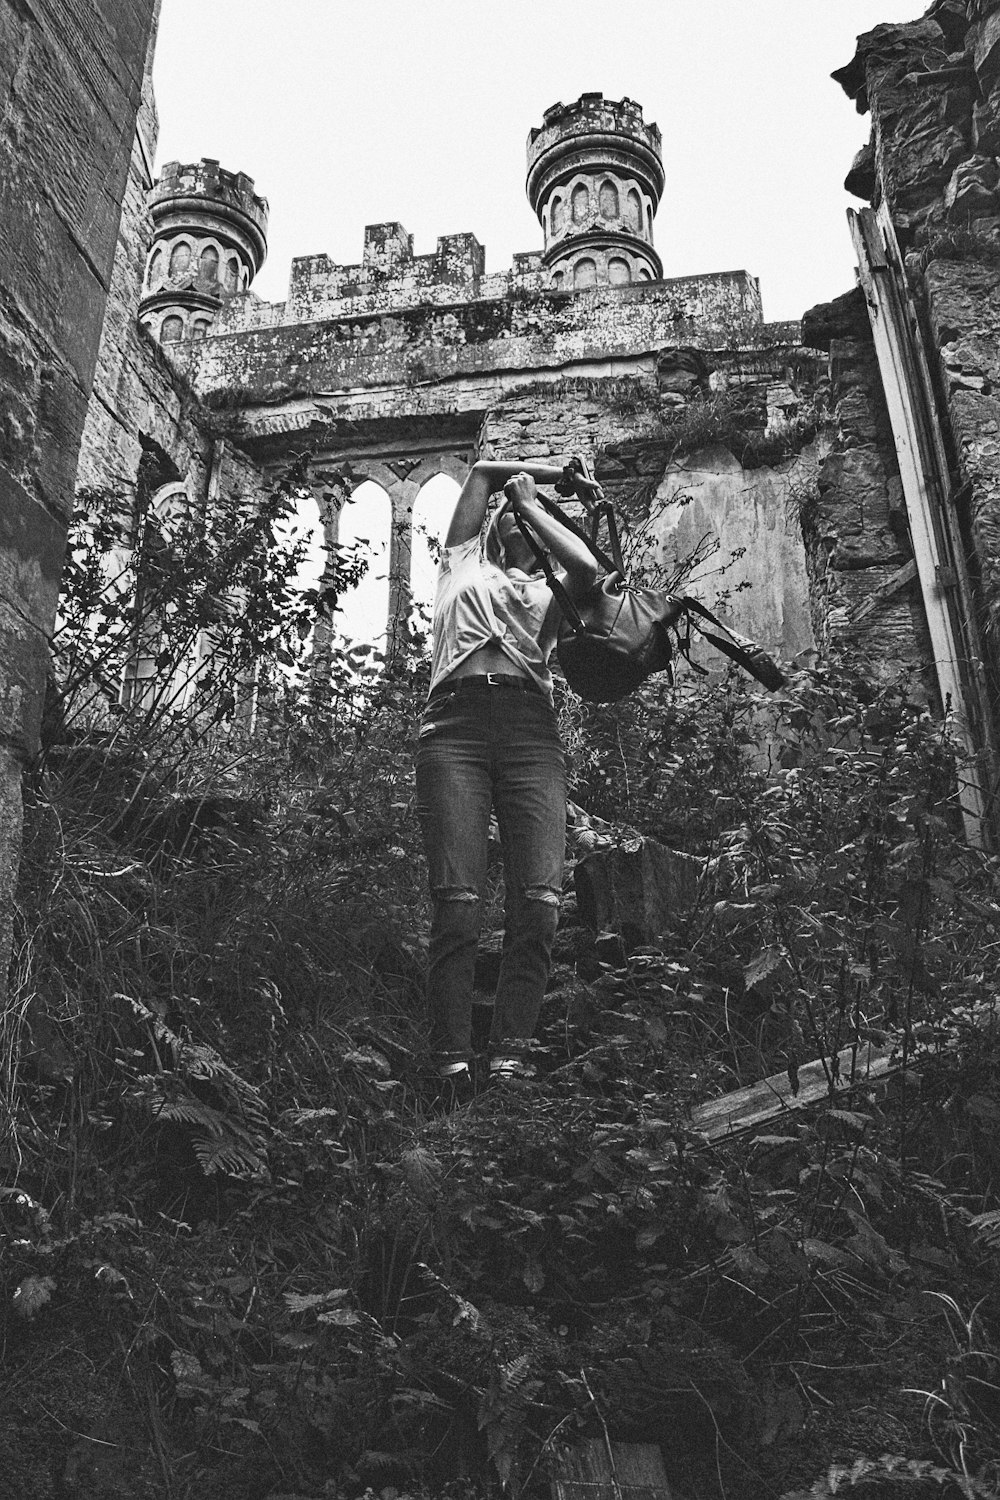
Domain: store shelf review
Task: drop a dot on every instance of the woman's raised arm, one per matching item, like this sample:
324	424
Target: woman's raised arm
574	556
485	478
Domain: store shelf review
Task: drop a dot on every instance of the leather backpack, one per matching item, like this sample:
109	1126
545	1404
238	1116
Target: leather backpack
620	633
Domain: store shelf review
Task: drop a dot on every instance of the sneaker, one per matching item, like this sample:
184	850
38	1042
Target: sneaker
506	1070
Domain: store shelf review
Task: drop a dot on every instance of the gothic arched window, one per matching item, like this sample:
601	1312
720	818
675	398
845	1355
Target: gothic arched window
364	534
609	200
180	258
432	510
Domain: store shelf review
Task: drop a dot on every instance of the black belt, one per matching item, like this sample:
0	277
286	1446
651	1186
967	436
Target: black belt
478	682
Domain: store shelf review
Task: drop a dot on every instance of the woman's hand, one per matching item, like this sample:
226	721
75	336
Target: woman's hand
521	492
569	551
486	477
576	480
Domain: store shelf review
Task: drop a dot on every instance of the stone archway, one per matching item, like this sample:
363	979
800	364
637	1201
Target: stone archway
402	479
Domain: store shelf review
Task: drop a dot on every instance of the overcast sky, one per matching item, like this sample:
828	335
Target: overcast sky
352	112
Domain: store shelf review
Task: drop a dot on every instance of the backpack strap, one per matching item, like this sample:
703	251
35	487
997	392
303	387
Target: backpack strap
567	608
739	648
602	511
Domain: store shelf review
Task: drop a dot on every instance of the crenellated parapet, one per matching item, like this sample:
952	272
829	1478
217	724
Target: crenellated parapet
595	178
389	278
210	240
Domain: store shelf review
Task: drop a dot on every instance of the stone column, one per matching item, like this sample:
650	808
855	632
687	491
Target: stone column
329	498
71	74
402	498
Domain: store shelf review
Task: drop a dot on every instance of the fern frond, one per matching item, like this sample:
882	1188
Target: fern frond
193	1112
232	1134
515	1373
223	1143
465	1312
234	1158
199	1060
986	1228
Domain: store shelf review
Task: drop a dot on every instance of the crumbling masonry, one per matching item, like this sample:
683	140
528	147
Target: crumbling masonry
71	77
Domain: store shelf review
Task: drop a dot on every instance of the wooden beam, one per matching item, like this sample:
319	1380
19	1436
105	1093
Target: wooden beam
898	580
774	1098
595	1470
919	450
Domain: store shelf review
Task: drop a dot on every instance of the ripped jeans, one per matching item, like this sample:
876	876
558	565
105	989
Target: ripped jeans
487	746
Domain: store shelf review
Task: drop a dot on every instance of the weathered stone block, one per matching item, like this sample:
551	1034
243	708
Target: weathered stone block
636	891
13	42
55	285
916	165
986	51
890	49
11	818
682	371
971	363
853	515
24	653
60	417
843	318
70	75
860	180
986	125
971	190
953	19
19	381
857	417
32	543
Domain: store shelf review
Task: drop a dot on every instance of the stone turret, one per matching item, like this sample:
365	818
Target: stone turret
595	176
210	240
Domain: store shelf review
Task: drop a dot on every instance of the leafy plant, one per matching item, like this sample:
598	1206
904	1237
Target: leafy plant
195	1087
236	1210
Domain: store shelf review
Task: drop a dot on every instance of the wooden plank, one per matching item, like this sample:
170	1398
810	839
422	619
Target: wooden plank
893	337
946	510
904	575
773	1098
761	1102
595	1470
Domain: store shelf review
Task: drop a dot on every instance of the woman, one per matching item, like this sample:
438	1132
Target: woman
488	739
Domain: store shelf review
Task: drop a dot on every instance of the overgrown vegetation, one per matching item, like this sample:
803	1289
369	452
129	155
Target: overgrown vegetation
730	419
242	1255
961	243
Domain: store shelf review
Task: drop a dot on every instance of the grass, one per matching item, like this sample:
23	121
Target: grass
242	1253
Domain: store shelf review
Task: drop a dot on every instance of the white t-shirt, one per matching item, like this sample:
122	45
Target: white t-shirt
477	604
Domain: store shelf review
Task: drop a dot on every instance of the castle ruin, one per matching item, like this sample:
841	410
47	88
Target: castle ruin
402	367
